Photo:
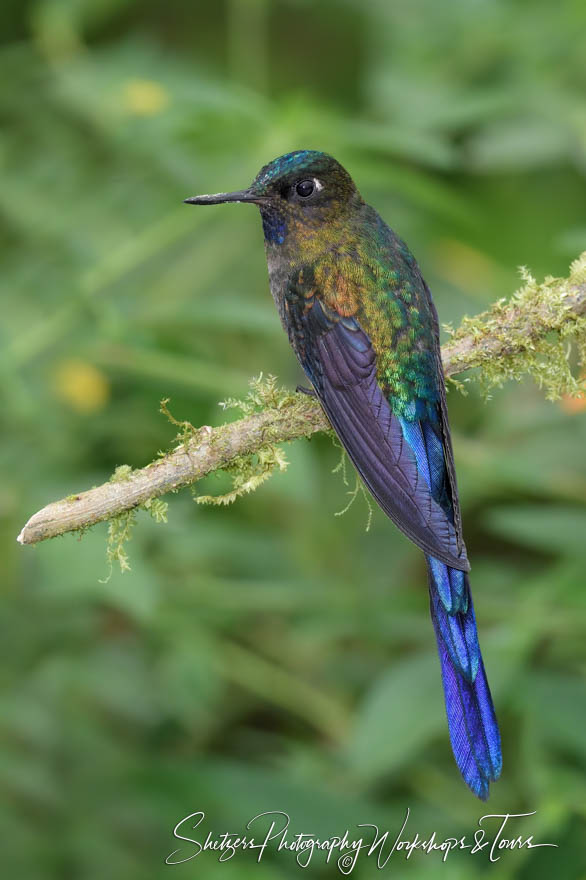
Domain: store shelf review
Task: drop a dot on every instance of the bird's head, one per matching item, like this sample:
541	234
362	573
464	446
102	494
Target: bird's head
299	194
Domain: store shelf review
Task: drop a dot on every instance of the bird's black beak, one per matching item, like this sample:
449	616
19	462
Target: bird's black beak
241	195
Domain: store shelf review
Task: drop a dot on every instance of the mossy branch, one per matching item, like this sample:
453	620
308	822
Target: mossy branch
529	333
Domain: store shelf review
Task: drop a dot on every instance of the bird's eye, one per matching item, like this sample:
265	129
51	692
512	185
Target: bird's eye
305	188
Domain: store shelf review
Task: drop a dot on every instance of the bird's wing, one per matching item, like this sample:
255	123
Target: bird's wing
443	423
337	356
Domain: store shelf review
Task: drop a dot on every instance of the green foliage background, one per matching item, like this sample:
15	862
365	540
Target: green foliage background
271	655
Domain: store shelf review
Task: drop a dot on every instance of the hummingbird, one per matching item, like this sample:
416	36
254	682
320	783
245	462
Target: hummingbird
362	323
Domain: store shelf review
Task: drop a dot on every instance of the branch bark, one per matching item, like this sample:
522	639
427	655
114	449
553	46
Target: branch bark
505	331
512	328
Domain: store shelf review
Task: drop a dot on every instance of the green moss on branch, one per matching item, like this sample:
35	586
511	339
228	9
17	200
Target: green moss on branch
533	333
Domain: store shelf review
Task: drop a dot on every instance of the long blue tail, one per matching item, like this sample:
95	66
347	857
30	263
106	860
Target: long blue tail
472	722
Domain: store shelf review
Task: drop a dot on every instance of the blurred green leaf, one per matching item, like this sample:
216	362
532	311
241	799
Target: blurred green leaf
543	527
558	704
391	725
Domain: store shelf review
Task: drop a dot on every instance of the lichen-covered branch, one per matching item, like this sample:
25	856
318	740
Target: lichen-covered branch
527	334
205	451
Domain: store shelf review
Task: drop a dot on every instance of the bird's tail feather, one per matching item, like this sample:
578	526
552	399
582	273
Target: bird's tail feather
474	732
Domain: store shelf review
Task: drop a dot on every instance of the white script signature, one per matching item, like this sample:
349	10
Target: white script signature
271	830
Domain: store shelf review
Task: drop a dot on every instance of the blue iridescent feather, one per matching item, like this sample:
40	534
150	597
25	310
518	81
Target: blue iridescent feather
474	732
403	460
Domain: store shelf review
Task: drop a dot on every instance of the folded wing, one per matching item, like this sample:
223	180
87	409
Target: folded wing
338	357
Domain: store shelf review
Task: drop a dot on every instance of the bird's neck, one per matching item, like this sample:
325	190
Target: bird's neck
298	241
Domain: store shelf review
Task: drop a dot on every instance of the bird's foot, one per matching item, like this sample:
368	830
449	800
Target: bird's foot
302	390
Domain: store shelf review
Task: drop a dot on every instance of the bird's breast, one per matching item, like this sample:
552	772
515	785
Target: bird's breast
279	280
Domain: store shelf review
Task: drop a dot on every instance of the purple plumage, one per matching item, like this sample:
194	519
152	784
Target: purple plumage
474	732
